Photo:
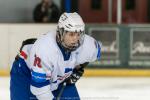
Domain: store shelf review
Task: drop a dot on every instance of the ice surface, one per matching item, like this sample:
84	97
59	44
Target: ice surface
101	88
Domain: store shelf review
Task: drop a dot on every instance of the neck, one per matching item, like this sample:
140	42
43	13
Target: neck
66	54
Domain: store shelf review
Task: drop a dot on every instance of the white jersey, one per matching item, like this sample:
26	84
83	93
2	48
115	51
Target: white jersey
47	63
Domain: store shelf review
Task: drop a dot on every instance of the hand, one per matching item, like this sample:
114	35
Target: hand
75	76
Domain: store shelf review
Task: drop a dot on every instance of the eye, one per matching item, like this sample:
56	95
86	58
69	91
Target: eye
71	34
74	34
78	34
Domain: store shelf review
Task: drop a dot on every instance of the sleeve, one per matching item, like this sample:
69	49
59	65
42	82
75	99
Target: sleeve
95	52
90	50
98	45
41	69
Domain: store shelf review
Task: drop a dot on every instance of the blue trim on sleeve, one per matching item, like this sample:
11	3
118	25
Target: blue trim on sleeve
38	77
39	85
99	51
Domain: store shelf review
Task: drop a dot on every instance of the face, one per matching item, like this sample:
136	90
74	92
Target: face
71	39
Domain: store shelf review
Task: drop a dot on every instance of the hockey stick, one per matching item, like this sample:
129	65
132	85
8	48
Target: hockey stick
64	84
61	91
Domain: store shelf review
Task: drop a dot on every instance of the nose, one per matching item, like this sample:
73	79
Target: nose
76	37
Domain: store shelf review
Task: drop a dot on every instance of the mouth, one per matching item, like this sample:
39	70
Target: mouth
73	44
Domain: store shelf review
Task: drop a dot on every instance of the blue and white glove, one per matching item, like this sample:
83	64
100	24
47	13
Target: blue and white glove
75	76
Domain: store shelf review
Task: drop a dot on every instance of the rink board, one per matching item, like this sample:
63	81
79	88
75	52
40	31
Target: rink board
104	72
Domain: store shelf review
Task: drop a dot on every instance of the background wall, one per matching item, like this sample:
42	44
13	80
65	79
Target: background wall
18	10
121	45
12	36
124	47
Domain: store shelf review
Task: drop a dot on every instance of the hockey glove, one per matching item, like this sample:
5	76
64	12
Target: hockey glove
75	76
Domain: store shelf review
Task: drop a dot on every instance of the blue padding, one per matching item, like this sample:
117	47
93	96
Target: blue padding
39	85
20	78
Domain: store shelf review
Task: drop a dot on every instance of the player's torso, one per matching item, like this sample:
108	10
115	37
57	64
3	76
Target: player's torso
54	58
62	68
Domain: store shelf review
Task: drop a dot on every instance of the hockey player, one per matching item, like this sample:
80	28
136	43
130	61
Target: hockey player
44	66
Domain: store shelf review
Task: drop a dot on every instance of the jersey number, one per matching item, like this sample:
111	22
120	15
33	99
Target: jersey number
37	62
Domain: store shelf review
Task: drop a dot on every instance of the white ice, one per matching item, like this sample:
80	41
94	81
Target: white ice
101	88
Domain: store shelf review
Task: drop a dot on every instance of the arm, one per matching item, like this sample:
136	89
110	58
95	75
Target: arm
40	87
41	70
40	83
